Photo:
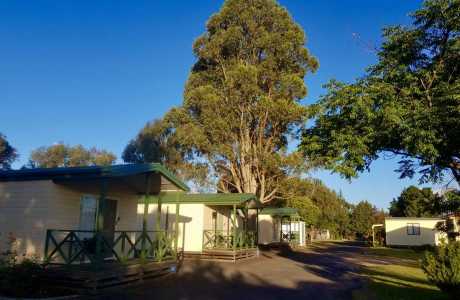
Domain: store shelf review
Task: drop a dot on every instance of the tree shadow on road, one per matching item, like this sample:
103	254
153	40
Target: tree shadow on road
210	280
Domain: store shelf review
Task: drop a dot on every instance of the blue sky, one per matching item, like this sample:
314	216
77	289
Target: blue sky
94	72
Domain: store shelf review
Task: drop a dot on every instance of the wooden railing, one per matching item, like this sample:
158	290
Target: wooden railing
292	237
83	246
220	239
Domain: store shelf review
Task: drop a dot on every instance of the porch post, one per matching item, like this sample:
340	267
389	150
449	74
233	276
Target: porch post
176	225
146	212
160	236
257	226
281	228
234	230
246	219
158	216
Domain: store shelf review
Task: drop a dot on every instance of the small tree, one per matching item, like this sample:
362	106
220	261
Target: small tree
362	219
318	205
7	153
442	267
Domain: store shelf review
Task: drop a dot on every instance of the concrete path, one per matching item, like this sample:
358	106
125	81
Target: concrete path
323	272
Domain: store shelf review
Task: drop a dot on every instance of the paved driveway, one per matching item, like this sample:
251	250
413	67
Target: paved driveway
323	272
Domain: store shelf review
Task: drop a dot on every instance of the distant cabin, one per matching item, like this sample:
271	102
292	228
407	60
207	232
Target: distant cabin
408	232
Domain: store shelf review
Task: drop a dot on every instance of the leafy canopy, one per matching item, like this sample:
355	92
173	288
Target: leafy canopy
415	202
319	206
61	155
241	100
157	143
362	219
408	104
7	153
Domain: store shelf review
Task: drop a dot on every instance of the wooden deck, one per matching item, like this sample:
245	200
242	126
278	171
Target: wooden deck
222	254
88	278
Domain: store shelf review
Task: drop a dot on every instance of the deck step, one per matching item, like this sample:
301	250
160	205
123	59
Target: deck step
85	279
222	255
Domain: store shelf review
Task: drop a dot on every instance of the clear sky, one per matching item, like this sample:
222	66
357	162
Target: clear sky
94	72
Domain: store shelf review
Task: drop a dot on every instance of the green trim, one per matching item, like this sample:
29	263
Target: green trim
207	199
93	172
279	211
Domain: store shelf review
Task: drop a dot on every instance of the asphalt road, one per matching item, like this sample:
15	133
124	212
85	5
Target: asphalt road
322	272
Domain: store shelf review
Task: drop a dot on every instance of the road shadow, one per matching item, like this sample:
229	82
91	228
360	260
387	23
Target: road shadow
221	281
330	265
281	273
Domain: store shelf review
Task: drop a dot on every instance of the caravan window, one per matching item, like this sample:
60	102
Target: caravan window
413	229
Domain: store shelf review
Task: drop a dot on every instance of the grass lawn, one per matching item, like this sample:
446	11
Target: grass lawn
405	281
396	253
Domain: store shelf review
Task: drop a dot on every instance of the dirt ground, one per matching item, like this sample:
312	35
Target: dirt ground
323	272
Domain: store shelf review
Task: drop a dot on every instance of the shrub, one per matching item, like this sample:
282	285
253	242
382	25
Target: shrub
442	267
22	276
20	279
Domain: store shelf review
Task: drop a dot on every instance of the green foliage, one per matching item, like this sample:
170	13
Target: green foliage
242	98
415	202
318	205
362	219
156	142
443	268
450	202
61	155
21	276
7	153
407	105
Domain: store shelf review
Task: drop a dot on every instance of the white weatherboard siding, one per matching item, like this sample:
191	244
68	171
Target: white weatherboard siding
191	217
268	229
29	208
396	230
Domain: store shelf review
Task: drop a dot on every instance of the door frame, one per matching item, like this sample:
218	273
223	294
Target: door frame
97	197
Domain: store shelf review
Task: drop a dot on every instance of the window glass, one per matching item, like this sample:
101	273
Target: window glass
88	207
413	229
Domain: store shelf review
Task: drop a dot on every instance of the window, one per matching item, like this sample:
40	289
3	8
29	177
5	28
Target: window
88	208
413	229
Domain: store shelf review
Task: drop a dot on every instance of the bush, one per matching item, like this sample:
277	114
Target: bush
22	276
20	279
442	267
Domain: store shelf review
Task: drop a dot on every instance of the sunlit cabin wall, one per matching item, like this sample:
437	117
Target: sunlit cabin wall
28	208
397	232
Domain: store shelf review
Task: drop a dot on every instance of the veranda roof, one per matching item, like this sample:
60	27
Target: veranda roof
279	211
212	199
93	172
133	174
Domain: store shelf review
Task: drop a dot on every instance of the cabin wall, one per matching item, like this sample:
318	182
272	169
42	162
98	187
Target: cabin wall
269	229
396	232
224	212
28	208
191	217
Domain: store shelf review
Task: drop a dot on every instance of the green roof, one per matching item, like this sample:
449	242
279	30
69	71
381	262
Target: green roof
210	199
95	172
279	211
